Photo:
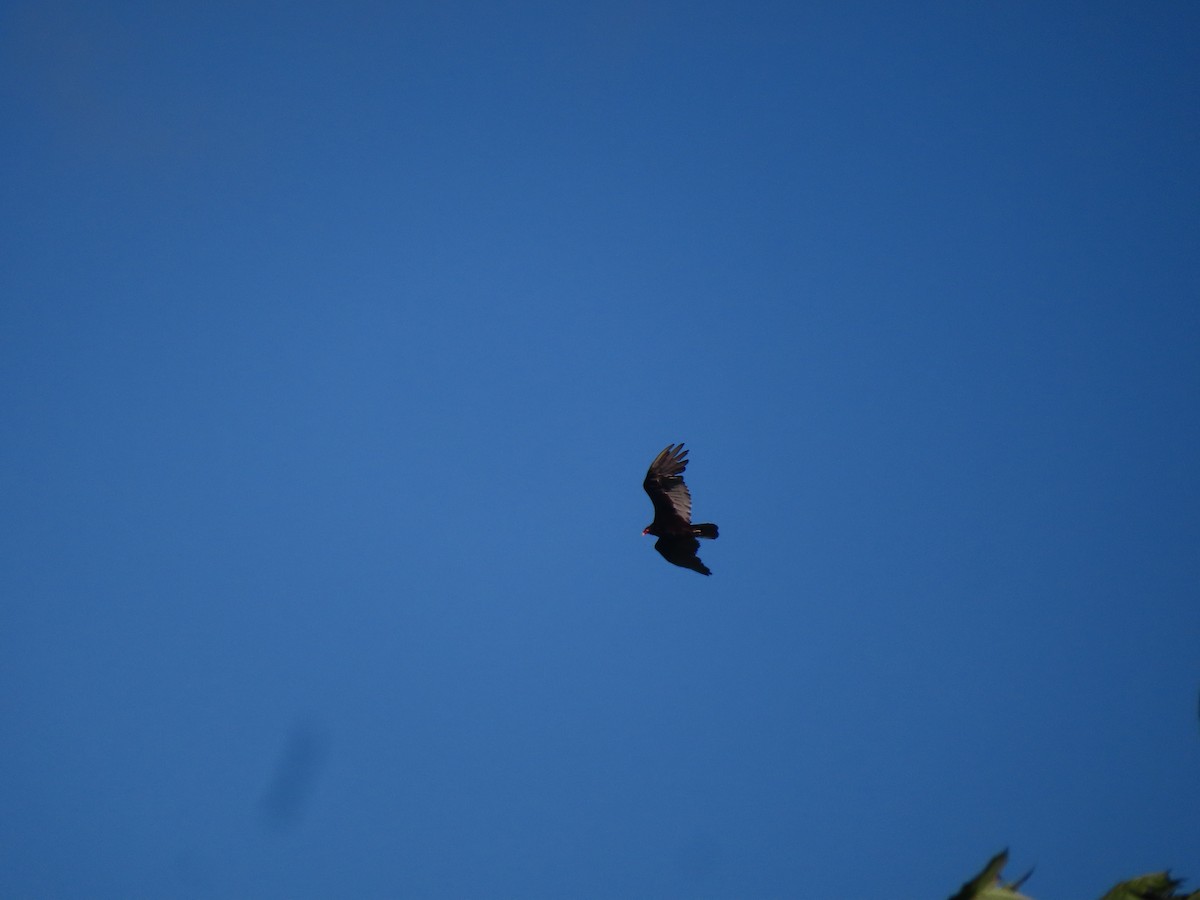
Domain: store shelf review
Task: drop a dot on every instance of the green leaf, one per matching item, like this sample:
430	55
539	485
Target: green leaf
1155	886
986	885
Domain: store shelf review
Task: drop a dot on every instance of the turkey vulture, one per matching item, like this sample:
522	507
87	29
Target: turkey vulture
672	523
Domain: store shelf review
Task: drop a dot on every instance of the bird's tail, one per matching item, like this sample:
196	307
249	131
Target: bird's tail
705	530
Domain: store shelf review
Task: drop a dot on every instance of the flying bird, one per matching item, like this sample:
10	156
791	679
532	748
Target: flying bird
672	501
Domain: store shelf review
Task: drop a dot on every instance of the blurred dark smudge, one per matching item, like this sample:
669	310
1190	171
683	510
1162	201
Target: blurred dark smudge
291	787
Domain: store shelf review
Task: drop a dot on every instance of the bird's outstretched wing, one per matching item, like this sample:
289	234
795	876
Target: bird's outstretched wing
670	496
681	551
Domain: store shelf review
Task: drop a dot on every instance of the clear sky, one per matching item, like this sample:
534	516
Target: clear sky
336	339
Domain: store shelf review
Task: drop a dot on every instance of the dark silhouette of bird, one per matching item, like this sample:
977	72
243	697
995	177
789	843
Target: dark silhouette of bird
672	501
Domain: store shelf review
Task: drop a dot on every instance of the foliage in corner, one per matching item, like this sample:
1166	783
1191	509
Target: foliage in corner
987	886
1156	886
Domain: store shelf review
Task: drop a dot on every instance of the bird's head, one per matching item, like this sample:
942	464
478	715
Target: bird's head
649	529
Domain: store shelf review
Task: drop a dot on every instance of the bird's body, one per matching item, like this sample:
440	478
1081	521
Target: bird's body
672	525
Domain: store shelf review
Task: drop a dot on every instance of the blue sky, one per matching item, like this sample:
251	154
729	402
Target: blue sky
336	341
